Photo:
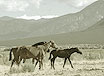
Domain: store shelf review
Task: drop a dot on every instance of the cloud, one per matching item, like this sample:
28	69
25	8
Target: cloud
77	3
37	2
18	5
36	17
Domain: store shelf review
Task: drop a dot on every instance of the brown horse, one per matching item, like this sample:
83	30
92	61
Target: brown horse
17	53
65	53
35	45
32	52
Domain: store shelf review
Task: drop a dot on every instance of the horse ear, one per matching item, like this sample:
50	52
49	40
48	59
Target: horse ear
20	48
51	41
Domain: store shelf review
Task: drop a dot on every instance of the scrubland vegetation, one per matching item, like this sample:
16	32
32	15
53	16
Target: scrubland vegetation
91	63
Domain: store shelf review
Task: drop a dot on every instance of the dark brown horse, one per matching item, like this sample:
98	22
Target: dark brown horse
65	53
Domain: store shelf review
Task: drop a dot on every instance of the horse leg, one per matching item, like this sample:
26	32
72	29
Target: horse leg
36	63
64	62
20	60
70	62
24	60
42	62
33	60
12	62
38	60
53	63
39	64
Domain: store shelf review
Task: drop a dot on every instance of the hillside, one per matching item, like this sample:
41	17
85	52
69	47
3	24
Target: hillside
98	25
92	35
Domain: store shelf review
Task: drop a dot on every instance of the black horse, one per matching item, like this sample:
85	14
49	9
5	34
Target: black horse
65	53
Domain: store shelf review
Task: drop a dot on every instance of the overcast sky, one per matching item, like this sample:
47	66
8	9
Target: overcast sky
30	8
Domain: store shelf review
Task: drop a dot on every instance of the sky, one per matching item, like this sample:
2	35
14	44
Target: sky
41	8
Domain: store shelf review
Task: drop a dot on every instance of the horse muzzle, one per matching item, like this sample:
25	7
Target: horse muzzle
80	52
48	51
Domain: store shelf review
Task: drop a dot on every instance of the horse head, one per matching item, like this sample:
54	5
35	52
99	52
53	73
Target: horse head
53	45
77	50
48	45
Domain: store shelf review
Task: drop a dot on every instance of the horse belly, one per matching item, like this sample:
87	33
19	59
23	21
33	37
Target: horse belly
34	51
63	55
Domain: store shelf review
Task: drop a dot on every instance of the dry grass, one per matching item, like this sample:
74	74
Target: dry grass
88	64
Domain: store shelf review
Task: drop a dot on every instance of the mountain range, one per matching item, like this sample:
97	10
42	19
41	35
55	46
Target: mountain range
86	26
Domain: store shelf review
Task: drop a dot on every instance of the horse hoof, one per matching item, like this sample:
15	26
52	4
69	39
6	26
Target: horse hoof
73	67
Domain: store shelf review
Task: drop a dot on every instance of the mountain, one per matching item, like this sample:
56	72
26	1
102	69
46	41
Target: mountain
92	35
77	21
6	18
11	28
98	26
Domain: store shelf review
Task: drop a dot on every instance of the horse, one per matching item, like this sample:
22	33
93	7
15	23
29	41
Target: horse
36	45
33	52
16	55
64	53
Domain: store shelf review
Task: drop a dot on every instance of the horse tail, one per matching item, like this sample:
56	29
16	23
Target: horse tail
10	55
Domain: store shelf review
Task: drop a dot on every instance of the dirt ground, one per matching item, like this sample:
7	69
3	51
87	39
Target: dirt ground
81	68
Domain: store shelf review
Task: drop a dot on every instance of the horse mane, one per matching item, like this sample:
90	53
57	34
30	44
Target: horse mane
39	43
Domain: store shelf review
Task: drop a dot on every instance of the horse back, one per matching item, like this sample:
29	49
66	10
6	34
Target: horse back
36	51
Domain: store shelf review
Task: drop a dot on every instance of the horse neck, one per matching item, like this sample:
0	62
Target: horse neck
71	51
46	46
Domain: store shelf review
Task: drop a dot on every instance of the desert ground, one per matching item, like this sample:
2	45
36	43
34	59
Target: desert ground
90	63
